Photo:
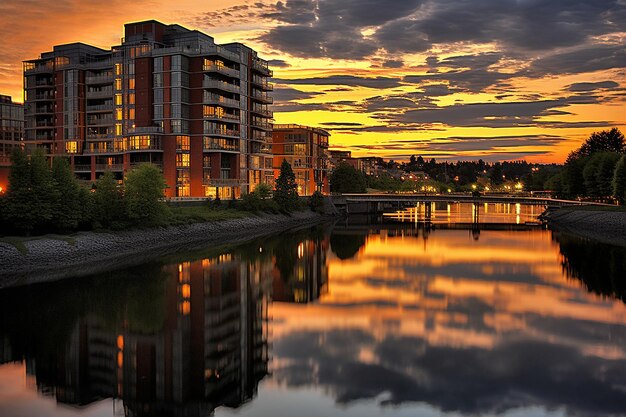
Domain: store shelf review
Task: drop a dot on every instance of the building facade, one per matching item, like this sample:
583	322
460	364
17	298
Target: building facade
306	149
166	95
11	134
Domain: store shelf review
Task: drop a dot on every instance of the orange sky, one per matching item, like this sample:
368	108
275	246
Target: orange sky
499	80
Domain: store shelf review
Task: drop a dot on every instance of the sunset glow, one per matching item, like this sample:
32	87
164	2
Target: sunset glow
497	80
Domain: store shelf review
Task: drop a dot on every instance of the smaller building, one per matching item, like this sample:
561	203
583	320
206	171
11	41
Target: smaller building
345	157
11	135
306	149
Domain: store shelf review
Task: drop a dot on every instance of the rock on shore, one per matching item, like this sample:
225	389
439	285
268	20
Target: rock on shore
604	226
51	259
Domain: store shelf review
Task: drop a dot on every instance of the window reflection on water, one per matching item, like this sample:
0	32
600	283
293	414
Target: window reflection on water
397	315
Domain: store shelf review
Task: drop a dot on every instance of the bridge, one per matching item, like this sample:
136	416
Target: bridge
376	203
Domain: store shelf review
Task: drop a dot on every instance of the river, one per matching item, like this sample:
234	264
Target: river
393	317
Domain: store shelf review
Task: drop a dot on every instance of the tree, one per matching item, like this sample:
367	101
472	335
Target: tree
605	141
18	209
44	193
109	209
144	191
263	190
590	176
619	180
346	179
606	169
68	213
572	178
286	192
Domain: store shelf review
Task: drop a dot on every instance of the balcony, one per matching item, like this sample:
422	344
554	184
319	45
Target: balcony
82	168
221	70
221	85
265	113
223	182
229	102
262	137
104	93
262	67
262	97
43	96
216	145
147	130
48	83
222	132
224	117
100	121
100	107
262	125
99	79
109	167
30	68
43	110
262	83
96	136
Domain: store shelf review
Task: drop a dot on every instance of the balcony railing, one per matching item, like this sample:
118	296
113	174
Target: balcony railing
100	107
222	100
221	85
99	79
91	136
222	132
100	93
267	113
220	146
262	67
262	125
101	121
222	70
232	118
223	182
145	130
262	97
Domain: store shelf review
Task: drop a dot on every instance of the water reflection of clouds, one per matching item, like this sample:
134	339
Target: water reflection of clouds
465	328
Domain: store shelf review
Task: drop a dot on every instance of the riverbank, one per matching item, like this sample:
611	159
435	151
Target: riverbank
606	226
48	259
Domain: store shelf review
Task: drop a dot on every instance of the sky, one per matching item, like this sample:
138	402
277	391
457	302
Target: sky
449	79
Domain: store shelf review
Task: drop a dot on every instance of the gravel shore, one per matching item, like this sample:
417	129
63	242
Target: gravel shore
603	226
51	259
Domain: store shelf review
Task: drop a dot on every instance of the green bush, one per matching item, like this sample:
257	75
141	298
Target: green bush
316	202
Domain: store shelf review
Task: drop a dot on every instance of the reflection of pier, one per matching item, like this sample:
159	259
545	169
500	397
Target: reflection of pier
378	203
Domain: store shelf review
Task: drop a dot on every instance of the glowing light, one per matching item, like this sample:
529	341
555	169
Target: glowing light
473	186
301	250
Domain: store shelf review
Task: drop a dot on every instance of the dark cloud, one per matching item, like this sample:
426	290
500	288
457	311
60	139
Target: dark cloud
393	63
584	87
341	124
286	94
316	27
580	60
348	80
280	63
496	115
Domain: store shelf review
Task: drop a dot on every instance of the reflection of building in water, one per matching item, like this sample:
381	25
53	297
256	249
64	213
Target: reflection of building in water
301	272
211	349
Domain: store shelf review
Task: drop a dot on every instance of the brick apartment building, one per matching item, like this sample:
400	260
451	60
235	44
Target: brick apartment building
166	95
11	134
306	149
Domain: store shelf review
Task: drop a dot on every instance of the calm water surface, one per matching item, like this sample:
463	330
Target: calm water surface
350	320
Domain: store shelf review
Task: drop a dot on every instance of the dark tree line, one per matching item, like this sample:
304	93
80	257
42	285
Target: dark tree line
597	169
43	199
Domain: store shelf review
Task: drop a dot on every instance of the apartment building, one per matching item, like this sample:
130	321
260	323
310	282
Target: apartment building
166	95
305	148
11	134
